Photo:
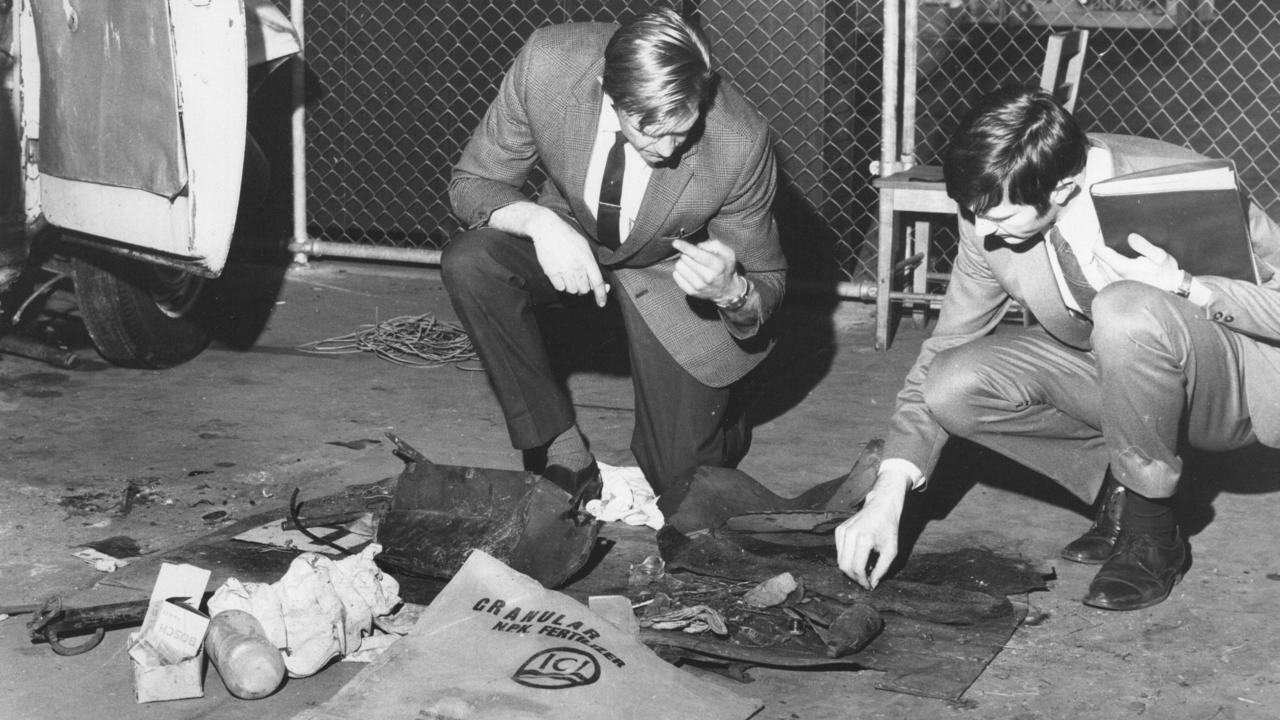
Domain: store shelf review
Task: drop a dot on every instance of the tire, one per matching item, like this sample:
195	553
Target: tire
139	314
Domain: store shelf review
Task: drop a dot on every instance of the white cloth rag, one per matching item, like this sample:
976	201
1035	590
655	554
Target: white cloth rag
319	609
626	496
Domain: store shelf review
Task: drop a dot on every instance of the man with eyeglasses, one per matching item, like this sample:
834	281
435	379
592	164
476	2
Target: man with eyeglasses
659	181
1133	360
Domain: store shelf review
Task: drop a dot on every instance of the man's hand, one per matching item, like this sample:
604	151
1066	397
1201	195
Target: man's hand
566	258
1153	266
707	270
873	529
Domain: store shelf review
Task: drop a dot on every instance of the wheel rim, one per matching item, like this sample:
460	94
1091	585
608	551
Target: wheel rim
174	291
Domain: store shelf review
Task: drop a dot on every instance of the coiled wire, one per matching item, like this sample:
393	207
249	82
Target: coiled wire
414	340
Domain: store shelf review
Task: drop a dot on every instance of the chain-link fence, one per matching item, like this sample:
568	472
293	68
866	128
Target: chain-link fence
1200	73
402	82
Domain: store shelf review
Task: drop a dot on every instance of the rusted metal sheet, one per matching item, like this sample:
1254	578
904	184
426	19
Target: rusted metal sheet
439	513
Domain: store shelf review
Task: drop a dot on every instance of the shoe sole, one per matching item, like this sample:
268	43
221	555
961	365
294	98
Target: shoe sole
1082	561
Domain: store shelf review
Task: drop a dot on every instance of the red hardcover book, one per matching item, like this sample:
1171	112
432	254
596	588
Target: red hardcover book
1194	211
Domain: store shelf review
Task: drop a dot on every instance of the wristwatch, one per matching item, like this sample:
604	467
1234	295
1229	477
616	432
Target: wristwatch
739	300
1184	288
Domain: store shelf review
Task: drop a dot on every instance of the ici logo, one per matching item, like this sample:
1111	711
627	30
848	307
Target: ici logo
558	668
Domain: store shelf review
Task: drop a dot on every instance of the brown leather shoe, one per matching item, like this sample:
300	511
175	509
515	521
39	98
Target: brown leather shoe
1140	573
1097	543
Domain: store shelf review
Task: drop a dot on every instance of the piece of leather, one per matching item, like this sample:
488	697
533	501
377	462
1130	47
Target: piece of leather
711	496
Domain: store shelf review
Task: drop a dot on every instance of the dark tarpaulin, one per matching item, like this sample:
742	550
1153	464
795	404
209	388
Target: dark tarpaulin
946	616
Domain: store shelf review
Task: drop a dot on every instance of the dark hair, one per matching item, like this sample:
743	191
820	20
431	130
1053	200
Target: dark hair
658	68
1017	144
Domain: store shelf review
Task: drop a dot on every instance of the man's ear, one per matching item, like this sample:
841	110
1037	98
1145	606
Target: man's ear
1065	192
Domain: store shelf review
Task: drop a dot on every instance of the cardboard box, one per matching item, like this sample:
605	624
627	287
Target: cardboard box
155	680
167	652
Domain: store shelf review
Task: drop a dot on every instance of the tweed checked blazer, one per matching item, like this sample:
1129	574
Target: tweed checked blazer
546	111
987	278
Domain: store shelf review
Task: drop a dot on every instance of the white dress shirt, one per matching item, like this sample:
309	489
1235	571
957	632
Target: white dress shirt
635	176
1078	225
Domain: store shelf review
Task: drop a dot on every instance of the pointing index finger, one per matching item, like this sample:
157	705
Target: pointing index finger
693	252
599	287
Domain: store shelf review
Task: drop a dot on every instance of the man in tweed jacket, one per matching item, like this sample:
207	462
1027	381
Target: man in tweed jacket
696	266
1115	388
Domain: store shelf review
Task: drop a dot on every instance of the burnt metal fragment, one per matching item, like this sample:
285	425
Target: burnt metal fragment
852	630
440	513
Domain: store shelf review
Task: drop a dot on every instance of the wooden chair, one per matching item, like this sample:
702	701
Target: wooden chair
918	190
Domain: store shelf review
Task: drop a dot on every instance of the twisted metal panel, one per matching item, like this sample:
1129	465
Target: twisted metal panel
402	82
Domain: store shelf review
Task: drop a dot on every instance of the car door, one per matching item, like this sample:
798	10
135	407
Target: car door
140	124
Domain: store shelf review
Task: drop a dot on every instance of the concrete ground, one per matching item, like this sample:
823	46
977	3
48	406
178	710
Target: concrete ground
242	425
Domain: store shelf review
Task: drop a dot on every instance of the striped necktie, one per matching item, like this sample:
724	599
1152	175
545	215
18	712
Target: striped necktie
1080	287
607	212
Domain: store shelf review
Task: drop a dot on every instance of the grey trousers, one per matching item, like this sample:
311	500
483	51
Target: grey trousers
1160	378
495	282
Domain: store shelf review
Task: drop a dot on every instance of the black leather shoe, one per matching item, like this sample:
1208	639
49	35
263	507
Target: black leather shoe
1140	573
582	485
1097	543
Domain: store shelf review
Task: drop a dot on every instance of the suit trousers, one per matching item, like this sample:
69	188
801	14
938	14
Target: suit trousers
1160	377
495	283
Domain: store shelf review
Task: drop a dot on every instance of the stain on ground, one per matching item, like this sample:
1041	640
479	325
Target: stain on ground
217	430
41	378
121	502
117	546
354	444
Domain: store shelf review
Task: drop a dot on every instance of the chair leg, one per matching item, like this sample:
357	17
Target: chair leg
921	237
884	268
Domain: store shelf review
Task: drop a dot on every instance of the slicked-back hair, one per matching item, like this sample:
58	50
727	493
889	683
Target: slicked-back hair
1015	144
658	68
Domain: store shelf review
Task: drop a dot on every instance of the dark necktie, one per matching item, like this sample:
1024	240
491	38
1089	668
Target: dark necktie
1081	290
611	195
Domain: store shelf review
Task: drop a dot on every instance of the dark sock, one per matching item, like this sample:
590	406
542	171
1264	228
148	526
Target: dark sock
1149	516
569	450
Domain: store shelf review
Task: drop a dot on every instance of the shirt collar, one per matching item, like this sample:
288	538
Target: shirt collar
1078	220
608	123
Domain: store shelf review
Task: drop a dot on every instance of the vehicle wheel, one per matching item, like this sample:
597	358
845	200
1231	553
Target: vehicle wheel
139	314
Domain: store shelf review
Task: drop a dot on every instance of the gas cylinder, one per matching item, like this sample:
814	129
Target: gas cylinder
249	665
